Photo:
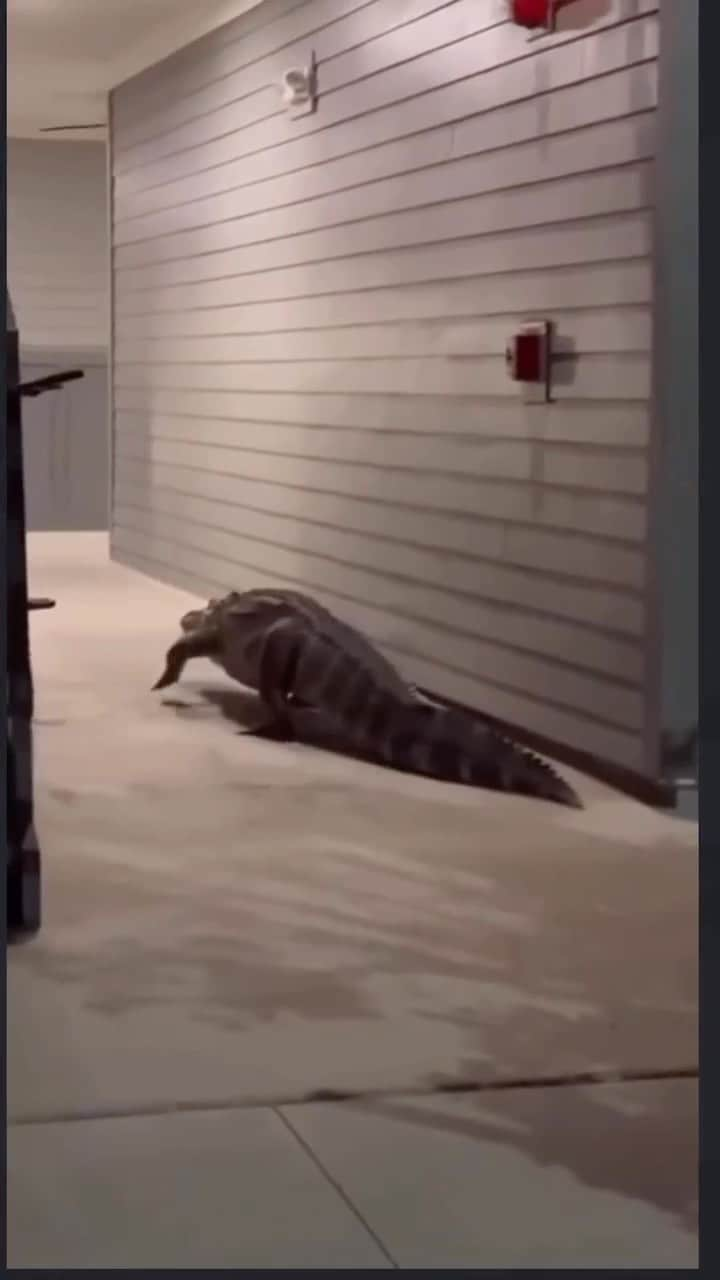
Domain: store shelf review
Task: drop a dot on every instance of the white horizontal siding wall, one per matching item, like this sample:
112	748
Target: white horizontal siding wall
57	245
310	319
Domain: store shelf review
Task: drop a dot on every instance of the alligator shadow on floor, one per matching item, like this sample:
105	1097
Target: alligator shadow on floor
245	710
240	706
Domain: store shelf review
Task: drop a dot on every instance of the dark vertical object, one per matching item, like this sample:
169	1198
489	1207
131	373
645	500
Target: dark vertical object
23	868
673	612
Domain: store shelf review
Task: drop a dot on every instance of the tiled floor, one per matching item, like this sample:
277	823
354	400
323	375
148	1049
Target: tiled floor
562	1177
231	926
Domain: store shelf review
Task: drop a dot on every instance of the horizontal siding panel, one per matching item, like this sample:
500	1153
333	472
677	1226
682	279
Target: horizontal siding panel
595	285
84	303
582	332
205	576
254	95
597	239
614	143
612	424
68	357
566	555
234	47
478	456
57	295
71	237
452	26
555	200
589	102
46	330
607	515
407	94
81	305
419	609
496	459
586	378
46	273
482	575
614	473
186	86
57	265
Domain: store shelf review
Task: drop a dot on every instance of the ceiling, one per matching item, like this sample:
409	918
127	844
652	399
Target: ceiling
64	55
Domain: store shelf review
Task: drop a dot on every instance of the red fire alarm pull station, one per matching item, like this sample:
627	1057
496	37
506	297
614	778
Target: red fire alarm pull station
529	358
536	14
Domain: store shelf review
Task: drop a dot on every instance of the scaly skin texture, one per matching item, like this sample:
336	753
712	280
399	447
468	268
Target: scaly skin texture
299	663
294	604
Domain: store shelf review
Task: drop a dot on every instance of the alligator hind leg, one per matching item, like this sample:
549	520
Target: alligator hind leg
275	729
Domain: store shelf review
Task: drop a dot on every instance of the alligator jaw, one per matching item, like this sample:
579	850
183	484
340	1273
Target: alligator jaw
168	677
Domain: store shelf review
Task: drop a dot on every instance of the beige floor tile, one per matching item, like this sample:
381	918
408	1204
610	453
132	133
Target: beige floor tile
539	1178
217	1190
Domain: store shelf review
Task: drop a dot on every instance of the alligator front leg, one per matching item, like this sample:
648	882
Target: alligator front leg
276	677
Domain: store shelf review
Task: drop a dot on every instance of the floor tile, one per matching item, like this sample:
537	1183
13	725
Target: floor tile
209	1189
539	1178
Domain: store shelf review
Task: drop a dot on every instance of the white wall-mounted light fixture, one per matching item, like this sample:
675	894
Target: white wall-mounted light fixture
299	89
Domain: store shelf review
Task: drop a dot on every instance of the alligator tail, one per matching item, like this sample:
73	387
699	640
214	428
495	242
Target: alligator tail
530	775
455	746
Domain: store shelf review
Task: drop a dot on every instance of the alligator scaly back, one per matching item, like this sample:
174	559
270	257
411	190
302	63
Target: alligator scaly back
243	610
440	742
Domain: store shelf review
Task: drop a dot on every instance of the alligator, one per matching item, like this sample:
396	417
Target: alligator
305	662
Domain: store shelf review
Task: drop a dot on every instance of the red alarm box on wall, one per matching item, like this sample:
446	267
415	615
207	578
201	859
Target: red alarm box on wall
528	357
536	14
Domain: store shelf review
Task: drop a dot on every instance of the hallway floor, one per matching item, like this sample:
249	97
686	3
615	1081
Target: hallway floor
235	931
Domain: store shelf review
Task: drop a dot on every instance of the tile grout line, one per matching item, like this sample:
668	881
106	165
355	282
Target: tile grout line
337	1187
321	1096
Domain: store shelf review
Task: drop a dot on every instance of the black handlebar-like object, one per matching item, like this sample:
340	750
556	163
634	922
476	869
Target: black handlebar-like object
36	387
49	383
